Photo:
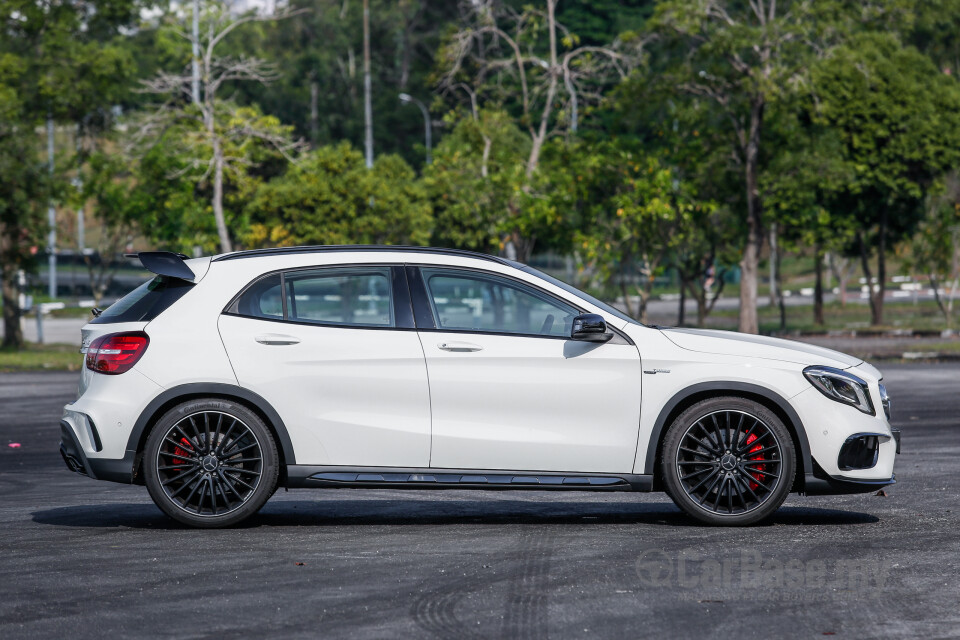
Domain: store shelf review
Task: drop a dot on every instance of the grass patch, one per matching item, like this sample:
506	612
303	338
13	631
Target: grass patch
42	357
924	315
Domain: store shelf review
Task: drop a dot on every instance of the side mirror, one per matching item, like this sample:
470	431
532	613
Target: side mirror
590	327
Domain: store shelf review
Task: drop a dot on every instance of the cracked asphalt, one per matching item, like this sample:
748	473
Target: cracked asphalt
87	559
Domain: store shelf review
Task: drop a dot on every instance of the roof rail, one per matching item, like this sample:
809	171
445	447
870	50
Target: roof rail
332	248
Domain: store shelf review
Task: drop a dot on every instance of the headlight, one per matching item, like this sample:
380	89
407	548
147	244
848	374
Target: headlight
841	386
885	401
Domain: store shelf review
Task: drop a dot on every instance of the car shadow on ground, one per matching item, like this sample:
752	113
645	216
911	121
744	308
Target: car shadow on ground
300	513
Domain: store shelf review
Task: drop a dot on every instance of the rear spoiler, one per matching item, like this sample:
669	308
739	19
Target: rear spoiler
165	263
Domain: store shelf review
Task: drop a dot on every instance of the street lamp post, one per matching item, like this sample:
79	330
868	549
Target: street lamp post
406	98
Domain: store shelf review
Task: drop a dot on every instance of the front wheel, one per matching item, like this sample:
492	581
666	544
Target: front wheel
210	463
728	461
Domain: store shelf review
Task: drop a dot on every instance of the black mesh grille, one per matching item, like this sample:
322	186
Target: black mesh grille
859	452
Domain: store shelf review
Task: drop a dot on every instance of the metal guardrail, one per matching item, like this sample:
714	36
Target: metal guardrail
44	308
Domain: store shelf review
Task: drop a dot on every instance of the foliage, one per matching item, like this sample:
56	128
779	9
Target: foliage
477	171
639	137
61	61
934	250
329	197
897	120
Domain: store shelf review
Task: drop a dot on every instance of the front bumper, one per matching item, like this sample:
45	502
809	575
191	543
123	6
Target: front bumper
819	483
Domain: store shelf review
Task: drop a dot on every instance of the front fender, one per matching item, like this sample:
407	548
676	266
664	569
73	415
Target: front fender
684	398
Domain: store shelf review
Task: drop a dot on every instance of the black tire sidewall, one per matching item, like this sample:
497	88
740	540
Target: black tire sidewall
671	443
268	478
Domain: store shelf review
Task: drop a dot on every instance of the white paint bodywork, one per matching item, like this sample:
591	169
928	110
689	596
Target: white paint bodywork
541	404
387	397
355	397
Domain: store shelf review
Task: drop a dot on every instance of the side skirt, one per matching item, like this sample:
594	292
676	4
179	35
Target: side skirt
307	476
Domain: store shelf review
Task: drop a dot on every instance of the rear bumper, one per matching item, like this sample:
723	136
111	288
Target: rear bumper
114	470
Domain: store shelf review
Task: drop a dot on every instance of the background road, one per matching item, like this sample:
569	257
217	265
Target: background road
80	558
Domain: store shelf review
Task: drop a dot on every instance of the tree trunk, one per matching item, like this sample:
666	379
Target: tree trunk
487	143
314	113
701	299
626	295
935	285
367	107
540	136
780	298
681	311
865	265
818	287
876	307
645	298
749	264
12	332
225	244
774	263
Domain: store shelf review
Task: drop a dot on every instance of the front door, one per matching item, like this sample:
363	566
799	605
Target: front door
510	391
334	353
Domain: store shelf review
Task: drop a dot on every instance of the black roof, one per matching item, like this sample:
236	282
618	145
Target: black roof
332	248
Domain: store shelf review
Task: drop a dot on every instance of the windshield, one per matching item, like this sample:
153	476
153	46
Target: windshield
580	294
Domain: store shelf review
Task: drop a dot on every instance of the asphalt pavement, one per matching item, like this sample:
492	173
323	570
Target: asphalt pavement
87	559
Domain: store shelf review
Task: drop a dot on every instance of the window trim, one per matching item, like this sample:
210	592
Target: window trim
421	298
399	290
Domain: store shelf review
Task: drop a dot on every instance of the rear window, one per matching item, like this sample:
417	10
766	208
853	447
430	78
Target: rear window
145	302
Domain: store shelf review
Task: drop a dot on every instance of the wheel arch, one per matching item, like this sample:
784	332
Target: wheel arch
703	391
175	395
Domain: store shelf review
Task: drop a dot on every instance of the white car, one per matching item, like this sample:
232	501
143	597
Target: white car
224	378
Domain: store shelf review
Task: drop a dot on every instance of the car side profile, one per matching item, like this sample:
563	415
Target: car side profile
224	378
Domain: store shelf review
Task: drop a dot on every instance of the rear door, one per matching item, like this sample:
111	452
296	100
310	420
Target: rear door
334	351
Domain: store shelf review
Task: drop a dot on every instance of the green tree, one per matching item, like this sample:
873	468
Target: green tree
531	66
935	248
742	57
330	197
799	188
476	174
108	192
62	61
897	120
221	130
24	186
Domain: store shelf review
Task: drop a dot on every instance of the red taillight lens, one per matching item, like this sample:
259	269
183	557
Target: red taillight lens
117	352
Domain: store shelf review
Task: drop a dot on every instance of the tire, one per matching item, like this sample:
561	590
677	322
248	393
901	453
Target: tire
728	461
210	463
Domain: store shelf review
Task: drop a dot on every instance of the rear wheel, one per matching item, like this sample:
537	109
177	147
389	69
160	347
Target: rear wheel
210	463
728	461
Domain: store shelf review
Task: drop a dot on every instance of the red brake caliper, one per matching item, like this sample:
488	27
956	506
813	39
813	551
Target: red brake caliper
182	452
759	467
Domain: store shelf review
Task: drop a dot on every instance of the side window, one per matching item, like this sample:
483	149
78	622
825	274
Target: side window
471	301
354	297
263	299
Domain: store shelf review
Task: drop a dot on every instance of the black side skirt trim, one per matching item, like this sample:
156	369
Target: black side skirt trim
305	476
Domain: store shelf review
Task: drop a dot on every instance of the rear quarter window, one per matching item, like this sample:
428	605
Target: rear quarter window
145	302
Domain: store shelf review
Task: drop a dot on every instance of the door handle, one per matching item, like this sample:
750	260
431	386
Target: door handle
276	339
459	346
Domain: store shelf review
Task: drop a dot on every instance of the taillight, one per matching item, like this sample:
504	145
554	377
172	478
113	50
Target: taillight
117	352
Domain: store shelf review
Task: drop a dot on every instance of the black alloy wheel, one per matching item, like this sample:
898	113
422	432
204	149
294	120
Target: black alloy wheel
728	461
210	463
